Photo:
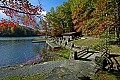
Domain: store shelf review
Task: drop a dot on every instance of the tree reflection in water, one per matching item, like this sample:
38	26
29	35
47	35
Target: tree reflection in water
40	51
40	55
43	53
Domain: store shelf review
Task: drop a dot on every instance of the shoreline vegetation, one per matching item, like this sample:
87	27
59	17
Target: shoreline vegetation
18	31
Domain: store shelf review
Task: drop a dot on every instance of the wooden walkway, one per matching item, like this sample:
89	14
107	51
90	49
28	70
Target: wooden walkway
53	45
83	53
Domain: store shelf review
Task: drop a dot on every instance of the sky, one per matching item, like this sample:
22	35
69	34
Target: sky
47	4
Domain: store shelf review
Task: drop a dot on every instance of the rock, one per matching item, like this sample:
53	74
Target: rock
73	70
21	65
83	38
58	70
61	73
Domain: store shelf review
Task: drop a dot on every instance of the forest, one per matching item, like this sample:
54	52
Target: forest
13	29
91	17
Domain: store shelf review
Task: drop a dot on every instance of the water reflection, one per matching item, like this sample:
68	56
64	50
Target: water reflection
40	53
21	52
20	38
36	49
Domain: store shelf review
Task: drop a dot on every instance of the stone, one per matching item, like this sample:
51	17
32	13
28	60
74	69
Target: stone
83	38
61	73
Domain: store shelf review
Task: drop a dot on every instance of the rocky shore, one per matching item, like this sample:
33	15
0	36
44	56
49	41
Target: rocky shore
65	69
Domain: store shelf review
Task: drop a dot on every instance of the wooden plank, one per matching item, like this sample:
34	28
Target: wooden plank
38	41
53	45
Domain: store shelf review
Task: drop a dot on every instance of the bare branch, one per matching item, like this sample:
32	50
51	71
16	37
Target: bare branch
18	10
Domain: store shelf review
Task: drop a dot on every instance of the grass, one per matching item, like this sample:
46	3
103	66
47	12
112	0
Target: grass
88	43
65	53
27	77
37	39
93	44
58	55
104	75
115	49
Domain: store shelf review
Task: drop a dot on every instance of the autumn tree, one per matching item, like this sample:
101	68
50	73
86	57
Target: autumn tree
12	28
92	17
23	10
60	20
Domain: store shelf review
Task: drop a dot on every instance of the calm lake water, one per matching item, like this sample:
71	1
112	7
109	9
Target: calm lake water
14	50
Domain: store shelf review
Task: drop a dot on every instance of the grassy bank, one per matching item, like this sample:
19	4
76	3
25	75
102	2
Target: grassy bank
64	54
57	55
27	77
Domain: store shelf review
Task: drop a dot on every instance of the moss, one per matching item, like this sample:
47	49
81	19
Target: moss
27	77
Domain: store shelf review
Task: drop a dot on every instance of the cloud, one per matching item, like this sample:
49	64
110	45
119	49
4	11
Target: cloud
43	13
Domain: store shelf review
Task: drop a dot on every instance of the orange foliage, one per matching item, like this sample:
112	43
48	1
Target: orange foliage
7	23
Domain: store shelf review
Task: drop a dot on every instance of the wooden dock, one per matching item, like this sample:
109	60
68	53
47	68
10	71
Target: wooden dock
38	41
53	45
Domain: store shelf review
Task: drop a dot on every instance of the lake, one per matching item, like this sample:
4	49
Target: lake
20	50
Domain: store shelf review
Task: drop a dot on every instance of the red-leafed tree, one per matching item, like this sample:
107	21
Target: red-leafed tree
21	9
